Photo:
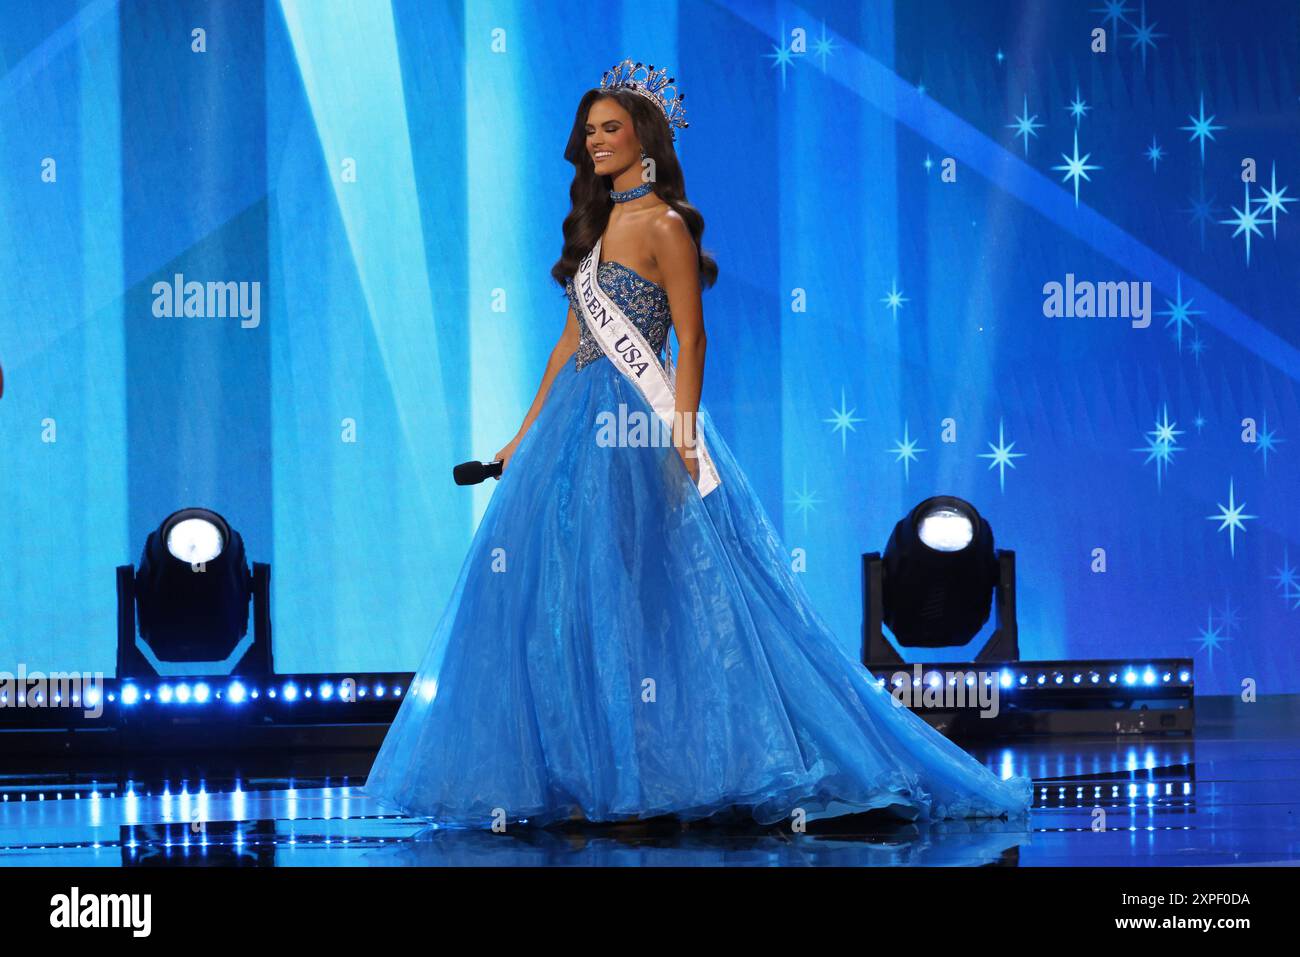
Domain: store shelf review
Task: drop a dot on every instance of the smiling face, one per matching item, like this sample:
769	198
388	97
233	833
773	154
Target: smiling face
611	138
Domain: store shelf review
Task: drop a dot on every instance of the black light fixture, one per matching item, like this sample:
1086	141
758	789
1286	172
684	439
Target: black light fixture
192	593
940	572
936	584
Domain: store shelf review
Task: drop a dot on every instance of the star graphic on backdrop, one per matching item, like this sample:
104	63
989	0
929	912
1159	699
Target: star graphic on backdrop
1144	35
1076	168
928	164
1113	13
1161	454
1202	211
1230	619
1275	199
1266	442
805	502
1002	457
999	56
1288	580
1024	125
1247	221
781	56
1285	576
842	421
1199	422
1211	638
1078	109
1231	518
1202	128
1165	431
1154	153
920	88
824	47
1180	314
1161	444
906	452
894	301
1196	348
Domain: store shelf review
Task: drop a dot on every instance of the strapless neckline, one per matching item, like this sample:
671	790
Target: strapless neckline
628	269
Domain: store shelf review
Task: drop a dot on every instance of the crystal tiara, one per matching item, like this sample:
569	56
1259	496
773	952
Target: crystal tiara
655	85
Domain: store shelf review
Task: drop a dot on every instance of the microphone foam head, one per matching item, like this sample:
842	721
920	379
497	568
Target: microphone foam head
468	473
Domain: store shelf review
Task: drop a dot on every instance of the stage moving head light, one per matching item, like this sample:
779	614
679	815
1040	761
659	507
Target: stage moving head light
193	587
940	570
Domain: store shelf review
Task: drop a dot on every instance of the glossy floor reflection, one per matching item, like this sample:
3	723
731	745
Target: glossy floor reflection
1228	795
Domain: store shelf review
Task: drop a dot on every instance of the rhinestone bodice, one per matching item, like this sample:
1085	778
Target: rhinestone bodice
644	302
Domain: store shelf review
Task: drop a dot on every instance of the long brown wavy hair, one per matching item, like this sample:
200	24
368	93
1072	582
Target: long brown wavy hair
589	193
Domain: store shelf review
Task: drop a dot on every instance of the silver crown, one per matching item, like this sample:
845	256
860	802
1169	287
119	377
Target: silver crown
655	86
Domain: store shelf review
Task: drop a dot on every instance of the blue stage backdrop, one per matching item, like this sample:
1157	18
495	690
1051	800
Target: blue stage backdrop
891	191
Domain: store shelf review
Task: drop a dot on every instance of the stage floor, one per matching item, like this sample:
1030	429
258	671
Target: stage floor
1227	795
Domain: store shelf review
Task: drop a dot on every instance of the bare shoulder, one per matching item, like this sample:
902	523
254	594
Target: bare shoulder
670	237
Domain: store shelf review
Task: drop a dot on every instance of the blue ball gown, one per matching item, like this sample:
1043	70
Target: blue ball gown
619	647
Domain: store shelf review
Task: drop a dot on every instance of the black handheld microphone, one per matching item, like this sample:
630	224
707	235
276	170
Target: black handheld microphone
471	473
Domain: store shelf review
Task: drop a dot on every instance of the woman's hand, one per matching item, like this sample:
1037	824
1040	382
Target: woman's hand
685	443
691	461
506	454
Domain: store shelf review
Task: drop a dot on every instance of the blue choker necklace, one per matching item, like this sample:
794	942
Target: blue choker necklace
627	195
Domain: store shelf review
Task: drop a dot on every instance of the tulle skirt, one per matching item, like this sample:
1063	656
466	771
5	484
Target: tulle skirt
619	647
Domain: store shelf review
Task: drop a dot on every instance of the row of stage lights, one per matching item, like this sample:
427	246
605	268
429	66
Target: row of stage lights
1010	680
1052	696
1058	796
239	692
234	692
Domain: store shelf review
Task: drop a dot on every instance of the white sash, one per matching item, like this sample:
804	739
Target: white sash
624	346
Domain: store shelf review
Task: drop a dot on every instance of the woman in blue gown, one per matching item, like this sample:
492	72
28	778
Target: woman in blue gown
620	646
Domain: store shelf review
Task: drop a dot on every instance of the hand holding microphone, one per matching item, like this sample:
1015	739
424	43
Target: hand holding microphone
471	473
